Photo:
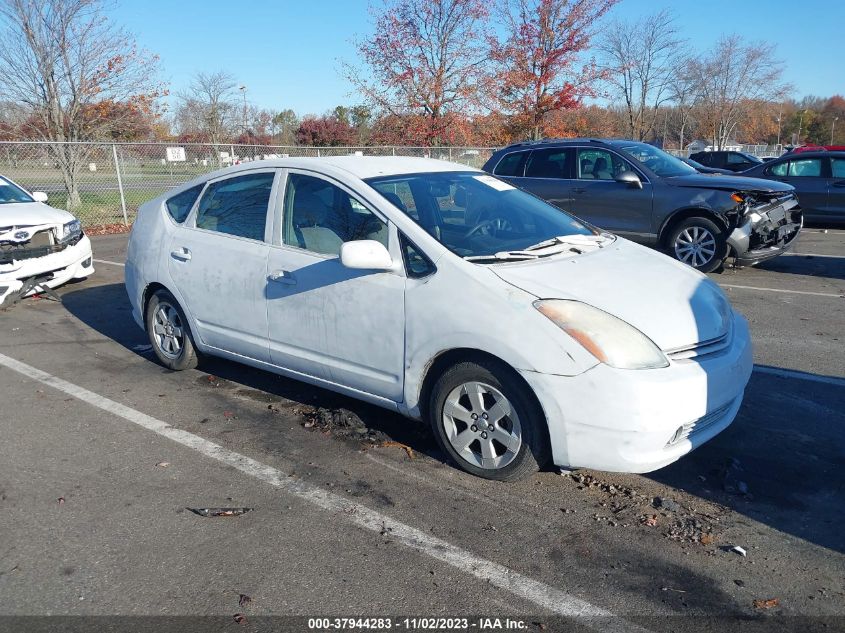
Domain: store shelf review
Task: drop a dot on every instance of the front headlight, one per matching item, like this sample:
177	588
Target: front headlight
609	339
70	229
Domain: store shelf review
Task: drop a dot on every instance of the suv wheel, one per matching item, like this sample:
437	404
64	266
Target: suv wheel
698	242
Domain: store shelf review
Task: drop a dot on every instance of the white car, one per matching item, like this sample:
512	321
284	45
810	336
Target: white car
40	247
520	333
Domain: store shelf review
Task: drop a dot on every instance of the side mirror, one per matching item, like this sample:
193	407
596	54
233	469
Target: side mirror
366	255
39	196
629	178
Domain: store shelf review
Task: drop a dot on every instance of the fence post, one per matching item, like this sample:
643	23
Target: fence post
120	184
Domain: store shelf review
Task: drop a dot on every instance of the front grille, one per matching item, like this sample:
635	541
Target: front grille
691	429
699	350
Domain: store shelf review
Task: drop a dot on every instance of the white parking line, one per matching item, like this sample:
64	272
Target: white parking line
534	591
105	261
788	292
788	373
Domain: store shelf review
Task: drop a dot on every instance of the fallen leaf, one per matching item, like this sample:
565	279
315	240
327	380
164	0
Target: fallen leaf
706	539
240	618
60	501
243	600
407	448
163	464
766	604
651	521
219	512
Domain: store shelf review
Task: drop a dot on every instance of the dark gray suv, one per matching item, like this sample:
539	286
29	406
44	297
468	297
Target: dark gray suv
643	193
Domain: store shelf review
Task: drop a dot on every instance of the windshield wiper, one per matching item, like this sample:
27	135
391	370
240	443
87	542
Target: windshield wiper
503	256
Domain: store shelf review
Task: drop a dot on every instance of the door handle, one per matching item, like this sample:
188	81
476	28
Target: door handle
578	190
282	277
183	254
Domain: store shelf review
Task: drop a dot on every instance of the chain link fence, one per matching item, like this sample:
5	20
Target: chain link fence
104	183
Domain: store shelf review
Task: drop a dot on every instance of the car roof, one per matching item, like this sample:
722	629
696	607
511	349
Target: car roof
816	154
358	166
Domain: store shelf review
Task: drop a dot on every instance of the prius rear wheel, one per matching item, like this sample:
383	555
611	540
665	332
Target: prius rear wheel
488	421
169	333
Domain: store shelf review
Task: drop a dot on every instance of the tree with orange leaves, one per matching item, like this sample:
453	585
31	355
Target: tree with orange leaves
79	74
537	70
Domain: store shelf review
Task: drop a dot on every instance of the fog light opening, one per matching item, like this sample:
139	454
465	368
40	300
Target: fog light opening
679	434
87	263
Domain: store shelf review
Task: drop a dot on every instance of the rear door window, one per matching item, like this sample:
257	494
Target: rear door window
237	206
804	168
837	166
549	163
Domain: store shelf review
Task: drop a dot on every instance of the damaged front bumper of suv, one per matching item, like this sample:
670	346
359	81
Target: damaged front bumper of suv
768	227
36	258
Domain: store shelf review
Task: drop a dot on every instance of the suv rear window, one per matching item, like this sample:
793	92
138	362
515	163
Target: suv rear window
180	205
512	165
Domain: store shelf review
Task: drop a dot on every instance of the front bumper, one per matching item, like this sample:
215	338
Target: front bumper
53	270
765	235
623	420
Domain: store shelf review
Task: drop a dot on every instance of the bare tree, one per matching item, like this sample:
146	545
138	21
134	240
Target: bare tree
77	73
208	108
729	78
639	59
683	92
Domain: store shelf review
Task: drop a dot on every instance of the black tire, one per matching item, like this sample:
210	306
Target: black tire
529	422
185	357
710	238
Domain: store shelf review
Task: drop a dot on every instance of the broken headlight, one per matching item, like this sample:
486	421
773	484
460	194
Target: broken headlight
610	339
70	230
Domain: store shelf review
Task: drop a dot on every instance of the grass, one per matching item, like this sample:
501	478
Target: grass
104	207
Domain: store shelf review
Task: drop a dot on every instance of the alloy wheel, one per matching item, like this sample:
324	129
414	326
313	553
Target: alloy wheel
695	245
168	330
481	425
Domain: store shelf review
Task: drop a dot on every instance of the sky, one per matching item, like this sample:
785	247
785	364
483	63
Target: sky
288	52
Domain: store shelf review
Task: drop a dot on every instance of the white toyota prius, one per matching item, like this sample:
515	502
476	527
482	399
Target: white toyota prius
521	334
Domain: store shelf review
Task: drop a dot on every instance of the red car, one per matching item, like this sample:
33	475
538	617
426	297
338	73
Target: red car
819	148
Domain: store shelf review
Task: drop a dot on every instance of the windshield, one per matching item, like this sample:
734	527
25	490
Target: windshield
473	214
663	164
10	193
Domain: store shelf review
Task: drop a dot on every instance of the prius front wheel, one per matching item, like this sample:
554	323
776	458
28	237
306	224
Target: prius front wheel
488	421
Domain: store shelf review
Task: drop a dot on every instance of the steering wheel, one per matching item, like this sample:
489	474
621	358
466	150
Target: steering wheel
493	226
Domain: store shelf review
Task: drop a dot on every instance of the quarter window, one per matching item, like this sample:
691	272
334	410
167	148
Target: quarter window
417	265
320	216
237	206
180	205
780	169
512	165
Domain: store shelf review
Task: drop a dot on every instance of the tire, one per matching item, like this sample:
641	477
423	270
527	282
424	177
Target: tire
698	242
169	333
510	448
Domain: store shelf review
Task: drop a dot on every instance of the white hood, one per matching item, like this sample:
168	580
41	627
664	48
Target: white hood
20	214
672	304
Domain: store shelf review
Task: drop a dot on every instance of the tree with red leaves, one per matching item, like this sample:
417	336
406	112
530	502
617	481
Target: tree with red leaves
537	68
325	131
423	63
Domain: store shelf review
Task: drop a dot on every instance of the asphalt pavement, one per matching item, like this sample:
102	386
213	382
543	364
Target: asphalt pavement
354	512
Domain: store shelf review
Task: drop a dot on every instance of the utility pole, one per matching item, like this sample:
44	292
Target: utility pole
243	91
833	127
800	123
